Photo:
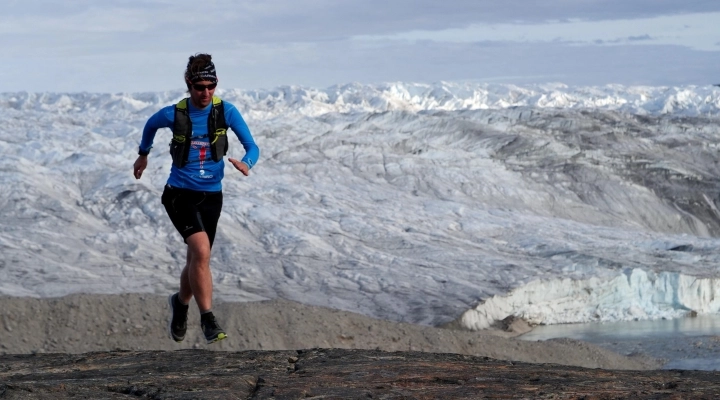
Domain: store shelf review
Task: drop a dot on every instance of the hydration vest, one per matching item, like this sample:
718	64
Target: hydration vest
182	132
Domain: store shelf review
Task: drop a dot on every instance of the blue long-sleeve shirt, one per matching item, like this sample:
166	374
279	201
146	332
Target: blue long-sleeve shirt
201	172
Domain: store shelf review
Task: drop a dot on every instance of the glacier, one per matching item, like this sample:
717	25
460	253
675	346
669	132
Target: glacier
422	203
632	295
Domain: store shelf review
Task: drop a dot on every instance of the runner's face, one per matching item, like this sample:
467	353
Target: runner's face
201	94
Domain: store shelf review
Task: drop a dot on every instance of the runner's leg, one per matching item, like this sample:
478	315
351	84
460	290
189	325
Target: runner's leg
198	276
186	293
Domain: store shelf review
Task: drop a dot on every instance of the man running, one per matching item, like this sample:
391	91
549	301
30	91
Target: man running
193	193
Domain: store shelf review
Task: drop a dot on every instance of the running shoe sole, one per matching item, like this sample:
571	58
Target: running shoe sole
217	338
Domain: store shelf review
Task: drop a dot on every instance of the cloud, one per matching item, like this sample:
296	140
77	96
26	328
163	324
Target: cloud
142	45
696	31
319	20
90	20
342	62
639	38
625	40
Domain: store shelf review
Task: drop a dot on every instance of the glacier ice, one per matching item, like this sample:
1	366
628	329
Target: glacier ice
401	201
631	295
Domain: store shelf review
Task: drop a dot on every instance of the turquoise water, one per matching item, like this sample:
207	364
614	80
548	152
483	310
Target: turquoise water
684	343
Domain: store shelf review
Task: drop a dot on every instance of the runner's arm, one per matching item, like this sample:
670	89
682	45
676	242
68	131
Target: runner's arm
236	122
158	120
161	119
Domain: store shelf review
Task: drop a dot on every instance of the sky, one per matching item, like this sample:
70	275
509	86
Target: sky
143	45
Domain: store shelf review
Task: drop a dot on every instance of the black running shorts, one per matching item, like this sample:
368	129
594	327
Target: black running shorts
192	212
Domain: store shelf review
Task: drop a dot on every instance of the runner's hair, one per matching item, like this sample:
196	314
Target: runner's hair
195	64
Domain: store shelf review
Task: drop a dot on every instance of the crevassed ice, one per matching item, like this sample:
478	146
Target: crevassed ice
411	97
634	294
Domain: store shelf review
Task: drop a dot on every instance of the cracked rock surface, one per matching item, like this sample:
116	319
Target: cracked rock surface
328	374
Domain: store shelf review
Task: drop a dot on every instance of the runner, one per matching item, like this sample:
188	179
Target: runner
193	194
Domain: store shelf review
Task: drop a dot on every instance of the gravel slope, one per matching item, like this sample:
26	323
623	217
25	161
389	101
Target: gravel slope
84	323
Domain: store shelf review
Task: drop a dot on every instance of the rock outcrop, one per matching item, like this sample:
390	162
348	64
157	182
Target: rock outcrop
329	374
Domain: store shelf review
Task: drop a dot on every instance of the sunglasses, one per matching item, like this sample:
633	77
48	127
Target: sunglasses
201	88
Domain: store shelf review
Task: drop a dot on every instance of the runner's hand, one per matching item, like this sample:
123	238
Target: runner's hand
139	166
240	166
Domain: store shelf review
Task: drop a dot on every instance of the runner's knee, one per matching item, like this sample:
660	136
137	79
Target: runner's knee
199	247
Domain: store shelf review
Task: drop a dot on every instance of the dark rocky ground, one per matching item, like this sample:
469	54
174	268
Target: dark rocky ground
329	374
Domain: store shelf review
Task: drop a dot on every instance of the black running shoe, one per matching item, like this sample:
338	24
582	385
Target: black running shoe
178	318
213	332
